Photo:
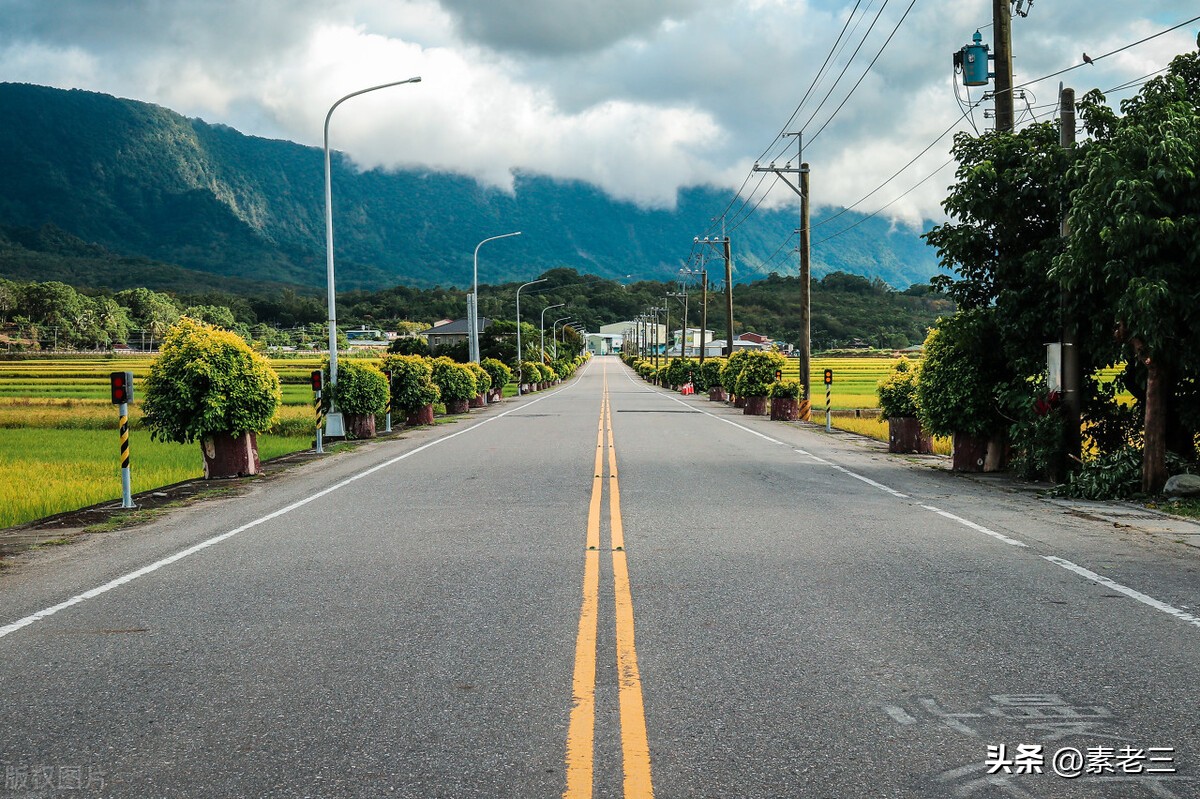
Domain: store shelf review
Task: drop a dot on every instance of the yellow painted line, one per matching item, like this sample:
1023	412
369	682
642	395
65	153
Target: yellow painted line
635	747
614	488
581	730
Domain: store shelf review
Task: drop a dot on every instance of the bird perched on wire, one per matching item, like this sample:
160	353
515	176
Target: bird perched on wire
1087	59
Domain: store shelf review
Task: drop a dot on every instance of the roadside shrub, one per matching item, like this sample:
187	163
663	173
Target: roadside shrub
962	372
454	379
483	380
530	372
361	388
732	370
709	375
412	382
898	391
499	372
785	389
679	370
208	381
757	374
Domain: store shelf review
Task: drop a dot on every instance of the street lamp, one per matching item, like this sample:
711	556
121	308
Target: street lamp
554	333
333	421
543	327
473	311
520	355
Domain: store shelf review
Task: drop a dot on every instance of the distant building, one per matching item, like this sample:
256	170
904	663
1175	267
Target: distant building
755	338
366	337
447	333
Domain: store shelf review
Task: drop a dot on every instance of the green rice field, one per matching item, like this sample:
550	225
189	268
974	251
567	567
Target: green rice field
59	441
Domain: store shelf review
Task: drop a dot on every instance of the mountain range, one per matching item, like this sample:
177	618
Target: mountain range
95	190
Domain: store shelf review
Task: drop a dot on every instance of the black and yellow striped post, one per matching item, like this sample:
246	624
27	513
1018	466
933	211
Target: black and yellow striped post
387	422
121	384
828	407
316	387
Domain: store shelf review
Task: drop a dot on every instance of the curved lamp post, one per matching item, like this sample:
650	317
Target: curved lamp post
334	420
554	333
474	309
543	327
521	355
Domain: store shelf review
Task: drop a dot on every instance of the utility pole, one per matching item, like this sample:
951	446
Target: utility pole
1071	376
805	289
1003	98
805	248
703	311
728	296
667	331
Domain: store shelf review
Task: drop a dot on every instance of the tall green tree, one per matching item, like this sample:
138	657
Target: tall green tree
1134	251
150	310
1005	208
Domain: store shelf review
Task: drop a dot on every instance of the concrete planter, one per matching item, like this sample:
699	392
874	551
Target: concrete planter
738	402
455	407
905	435
230	456
968	453
421	416
479	401
785	409
360	425
755	406
717	394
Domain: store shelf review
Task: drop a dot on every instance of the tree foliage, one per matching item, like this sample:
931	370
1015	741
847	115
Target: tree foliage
361	388
1134	253
208	381
960	376
454	380
412	382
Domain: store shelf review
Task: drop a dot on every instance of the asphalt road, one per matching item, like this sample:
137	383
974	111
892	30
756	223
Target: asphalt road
607	590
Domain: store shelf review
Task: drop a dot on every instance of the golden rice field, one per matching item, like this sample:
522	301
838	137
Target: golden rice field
59	441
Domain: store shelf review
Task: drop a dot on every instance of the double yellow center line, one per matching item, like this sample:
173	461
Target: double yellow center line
581	731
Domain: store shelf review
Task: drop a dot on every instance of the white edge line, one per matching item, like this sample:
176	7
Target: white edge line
870	482
979	527
1129	592
158	564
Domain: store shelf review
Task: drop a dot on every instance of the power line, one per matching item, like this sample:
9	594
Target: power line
865	72
1106	55
847	66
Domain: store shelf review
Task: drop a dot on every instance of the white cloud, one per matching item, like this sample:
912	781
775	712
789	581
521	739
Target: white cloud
639	98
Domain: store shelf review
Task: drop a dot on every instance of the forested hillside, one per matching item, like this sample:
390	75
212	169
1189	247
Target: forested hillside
149	185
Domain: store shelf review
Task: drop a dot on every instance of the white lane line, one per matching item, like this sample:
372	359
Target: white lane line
722	419
968	523
870	482
167	561
1129	592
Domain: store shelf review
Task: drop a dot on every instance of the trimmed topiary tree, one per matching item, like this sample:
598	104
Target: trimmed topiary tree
732	370
413	390
483	382
709	379
501	376
207	385
456	382
898	403
360	393
755	379
956	394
